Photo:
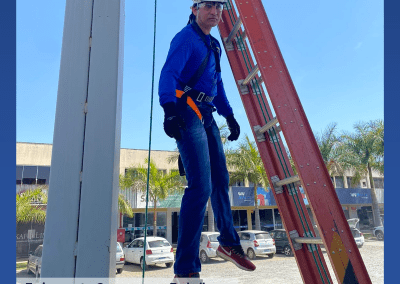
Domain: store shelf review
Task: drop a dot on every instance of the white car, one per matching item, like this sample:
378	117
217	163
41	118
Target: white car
35	261
208	246
157	251
357	235
257	243
120	259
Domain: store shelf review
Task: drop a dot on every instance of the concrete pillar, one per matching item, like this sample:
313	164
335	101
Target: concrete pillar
249	222
169	225
81	225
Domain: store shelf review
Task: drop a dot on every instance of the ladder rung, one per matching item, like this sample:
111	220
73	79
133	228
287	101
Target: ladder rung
235	29
287	181
316	241
251	75
269	125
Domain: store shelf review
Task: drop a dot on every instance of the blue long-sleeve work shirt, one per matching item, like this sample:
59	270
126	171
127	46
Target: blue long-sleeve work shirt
186	53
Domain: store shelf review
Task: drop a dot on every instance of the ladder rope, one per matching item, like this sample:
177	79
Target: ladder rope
151	127
257	90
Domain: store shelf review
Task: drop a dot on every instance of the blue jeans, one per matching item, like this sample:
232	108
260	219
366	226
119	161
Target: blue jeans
204	161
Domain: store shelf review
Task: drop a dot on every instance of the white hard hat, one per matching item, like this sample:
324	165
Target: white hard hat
199	1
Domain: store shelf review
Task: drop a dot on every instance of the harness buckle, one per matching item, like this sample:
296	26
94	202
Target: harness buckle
200	97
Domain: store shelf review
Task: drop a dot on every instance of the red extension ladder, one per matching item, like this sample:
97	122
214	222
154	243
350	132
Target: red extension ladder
291	121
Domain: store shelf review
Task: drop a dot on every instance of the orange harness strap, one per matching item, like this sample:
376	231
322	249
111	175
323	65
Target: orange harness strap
190	102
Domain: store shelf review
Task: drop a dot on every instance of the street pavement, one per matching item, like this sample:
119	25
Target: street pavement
278	270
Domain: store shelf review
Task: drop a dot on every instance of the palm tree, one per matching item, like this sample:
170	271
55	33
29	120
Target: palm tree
124	207
31	206
160	185
246	163
329	144
364	153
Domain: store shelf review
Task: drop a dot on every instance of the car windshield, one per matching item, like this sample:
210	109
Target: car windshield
159	243
263	236
355	233
213	238
119	249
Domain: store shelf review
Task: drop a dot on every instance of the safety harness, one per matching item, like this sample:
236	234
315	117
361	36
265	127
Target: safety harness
189	95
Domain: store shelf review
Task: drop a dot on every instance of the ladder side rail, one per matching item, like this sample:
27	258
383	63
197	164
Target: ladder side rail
304	260
321	194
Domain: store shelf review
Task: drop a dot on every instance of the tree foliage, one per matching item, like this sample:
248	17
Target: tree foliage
31	206
246	164
364	153
160	184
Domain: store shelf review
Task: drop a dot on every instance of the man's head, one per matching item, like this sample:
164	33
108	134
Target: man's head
208	13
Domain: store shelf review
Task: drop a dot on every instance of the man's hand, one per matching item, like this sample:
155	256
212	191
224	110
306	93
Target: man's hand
173	122
234	128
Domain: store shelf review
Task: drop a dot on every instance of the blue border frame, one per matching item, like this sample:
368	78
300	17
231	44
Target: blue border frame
8	143
392	136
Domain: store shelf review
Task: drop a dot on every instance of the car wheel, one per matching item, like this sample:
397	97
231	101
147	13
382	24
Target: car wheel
203	257
169	264
251	254
119	270
359	246
288	251
271	255
379	235
142	262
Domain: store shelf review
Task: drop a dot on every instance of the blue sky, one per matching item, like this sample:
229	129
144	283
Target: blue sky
333	51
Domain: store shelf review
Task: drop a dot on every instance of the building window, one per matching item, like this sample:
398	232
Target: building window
378	182
43	175
29	181
339	182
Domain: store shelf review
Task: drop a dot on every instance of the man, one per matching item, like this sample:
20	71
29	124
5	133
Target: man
190	89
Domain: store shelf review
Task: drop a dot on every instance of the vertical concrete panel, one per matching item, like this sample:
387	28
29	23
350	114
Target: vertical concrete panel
97	235
64	189
80	233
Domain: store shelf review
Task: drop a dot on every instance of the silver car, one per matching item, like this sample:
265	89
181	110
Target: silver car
120	259
257	243
35	261
157	251
379	233
208	246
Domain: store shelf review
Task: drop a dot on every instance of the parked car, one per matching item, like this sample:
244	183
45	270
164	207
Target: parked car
357	235
379	233
157	251
257	243
120	259
282	243
34	264
208	246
